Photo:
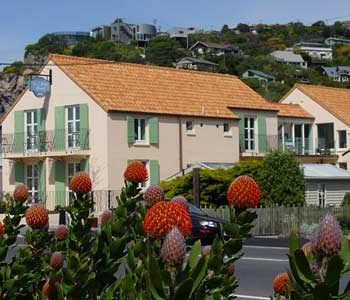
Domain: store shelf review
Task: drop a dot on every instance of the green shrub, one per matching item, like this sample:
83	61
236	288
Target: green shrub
346	199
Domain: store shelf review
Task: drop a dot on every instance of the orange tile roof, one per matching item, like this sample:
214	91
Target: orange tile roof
292	111
334	100
128	87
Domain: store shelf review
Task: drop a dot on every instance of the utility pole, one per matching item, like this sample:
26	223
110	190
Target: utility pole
196	183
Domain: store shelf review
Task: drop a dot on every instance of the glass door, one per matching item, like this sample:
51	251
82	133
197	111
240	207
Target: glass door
32	177
73	127
73	167
31	131
249	133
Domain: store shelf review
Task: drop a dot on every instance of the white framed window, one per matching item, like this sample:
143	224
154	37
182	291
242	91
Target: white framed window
72	168
31	130
140	126
73	127
321	195
227	129
32	182
249	133
189	127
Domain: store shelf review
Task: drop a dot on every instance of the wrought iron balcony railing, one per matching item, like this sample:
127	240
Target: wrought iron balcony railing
45	141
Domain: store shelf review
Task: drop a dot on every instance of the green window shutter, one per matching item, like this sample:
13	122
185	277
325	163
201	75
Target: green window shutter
241	131
84	165
41	129
84	126
262	138
42	181
59	139
153	124
60	183
154	172
131	133
19	173
19	132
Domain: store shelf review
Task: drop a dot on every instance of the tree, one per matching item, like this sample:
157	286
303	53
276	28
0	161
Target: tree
243	27
225	29
163	51
281	180
276	43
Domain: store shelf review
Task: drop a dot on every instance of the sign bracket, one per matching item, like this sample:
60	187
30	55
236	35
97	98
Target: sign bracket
47	76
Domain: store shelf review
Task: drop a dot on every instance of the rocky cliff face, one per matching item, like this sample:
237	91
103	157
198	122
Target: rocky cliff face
12	85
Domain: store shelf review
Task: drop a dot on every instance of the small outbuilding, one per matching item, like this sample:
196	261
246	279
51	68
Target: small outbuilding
326	184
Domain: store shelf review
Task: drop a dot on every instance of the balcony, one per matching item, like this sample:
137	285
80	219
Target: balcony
259	145
50	142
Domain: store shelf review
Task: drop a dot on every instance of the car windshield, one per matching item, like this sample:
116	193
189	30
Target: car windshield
195	210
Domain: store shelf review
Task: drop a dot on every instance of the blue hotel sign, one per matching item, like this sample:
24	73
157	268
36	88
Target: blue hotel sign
39	86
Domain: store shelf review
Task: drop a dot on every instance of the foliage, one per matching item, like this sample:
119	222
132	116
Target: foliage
346	199
282	179
17	68
279	176
116	261
213	183
315	276
163	51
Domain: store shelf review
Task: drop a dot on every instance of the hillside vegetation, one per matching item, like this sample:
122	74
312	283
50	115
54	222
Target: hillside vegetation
254	52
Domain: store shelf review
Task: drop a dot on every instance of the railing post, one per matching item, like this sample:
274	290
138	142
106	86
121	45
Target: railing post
196	190
109	199
62	217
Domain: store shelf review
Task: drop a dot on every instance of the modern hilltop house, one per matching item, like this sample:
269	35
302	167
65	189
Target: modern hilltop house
100	115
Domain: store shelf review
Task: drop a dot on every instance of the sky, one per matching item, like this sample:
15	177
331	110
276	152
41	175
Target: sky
22	21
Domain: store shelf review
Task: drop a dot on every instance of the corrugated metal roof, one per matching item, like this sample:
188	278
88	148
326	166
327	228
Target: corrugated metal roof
324	171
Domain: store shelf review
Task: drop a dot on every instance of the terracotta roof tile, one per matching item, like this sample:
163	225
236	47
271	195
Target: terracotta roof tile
292	111
119	86
334	100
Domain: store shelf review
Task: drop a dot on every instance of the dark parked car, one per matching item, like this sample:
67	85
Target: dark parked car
204	227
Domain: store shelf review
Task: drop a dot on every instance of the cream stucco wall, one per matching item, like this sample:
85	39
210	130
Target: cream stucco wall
207	144
321	116
64	92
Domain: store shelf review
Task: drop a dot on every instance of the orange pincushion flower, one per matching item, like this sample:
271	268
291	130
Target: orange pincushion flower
282	284
136	172
244	192
37	216
163	216
21	193
80	183
49	289
2	229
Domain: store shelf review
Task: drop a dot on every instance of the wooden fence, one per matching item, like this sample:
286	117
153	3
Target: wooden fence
282	220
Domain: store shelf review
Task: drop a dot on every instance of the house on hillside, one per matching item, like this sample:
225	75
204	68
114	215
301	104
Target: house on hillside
332	41
288	57
201	48
198	64
330	108
317	51
340	73
261	76
181	32
102	32
326	184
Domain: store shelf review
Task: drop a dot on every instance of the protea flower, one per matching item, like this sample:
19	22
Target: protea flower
106	216
80	183
174	247
2	229
306	248
153	195
57	260
21	193
37	216
181	200
61	232
136	172
231	269
206	250
49	289
327	238
244	192
282	284
164	216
